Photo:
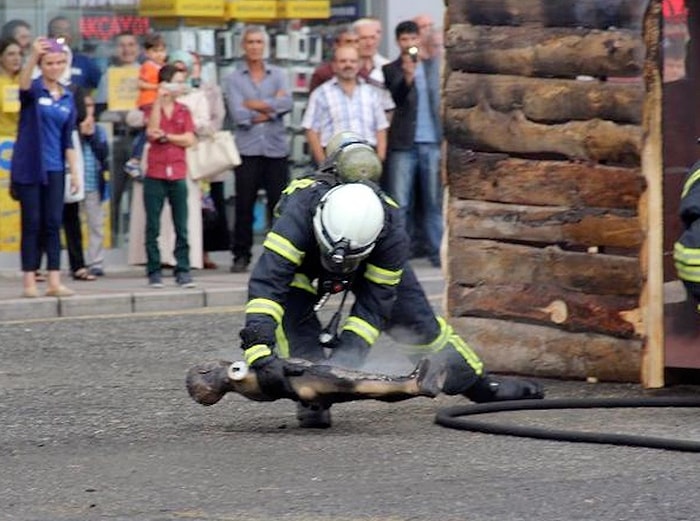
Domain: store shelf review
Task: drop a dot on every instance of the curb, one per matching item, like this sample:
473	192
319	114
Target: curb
121	303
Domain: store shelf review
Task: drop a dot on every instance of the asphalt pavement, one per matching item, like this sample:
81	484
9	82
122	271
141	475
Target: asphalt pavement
97	425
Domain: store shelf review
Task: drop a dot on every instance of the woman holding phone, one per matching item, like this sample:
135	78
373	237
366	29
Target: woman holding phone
43	146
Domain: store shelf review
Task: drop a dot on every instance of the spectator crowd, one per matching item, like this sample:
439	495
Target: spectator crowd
60	170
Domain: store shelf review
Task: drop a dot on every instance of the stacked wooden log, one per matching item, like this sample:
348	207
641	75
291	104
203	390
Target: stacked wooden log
543	104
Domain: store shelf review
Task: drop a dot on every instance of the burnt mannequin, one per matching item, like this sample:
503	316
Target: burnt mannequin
314	384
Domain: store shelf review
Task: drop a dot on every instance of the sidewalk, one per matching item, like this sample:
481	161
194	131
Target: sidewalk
125	290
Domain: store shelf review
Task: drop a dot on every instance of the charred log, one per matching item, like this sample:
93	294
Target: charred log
550	352
498	178
553	225
493	263
556	52
599	14
547	100
541	303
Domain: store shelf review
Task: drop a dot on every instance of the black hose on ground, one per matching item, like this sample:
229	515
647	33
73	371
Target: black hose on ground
452	417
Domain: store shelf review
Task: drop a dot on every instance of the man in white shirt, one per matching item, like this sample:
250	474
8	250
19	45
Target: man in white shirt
368	31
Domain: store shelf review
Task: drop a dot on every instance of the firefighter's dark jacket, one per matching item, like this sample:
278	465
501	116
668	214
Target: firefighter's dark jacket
291	258
686	251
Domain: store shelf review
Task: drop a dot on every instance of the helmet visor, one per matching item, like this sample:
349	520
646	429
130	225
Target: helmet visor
341	262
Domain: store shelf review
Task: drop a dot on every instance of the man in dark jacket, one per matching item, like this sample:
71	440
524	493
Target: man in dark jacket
686	251
413	152
336	234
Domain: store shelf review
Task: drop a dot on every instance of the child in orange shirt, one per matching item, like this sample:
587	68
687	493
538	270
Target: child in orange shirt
156	55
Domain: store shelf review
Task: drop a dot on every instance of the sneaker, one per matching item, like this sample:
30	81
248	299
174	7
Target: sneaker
313	416
184	280
240	265
133	168
155	280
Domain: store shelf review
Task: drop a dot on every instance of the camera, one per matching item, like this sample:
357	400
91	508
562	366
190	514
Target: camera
413	53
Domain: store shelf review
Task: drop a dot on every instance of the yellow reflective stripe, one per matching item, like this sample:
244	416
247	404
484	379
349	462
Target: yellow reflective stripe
297	184
439	343
467	353
390	201
686	255
689	273
256	352
282	342
443	338
284	248
690	182
301	281
265	307
362	328
382	275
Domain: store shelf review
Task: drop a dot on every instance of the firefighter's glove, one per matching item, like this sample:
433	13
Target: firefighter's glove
273	377
273	373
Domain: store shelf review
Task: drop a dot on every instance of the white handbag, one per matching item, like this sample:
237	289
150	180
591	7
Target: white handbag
69	197
212	155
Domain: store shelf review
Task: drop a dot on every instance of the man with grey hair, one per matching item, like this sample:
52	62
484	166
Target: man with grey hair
258	96
369	31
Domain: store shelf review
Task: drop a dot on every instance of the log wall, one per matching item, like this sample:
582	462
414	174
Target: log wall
543	114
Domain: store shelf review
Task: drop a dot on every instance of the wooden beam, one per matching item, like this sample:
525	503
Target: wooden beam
547	100
499	178
549	306
598	14
513	347
484	129
474	262
651	205
547	225
527	51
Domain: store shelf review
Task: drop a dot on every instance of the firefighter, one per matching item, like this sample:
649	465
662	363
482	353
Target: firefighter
336	233
686	251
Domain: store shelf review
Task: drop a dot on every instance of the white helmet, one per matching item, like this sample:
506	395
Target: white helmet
352	158
347	222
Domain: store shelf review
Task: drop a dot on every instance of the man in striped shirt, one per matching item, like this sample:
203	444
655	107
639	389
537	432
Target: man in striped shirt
345	102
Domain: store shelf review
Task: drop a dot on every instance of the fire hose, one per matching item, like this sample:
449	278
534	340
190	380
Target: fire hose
453	418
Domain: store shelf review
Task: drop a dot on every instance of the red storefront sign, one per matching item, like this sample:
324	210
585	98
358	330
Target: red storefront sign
104	27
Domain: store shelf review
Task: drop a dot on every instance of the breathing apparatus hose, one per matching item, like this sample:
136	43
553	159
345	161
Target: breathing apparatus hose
453	418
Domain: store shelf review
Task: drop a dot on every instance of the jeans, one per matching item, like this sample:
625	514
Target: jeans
42	213
138	145
155	191
418	171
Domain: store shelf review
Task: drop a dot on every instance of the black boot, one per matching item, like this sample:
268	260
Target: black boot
313	416
489	389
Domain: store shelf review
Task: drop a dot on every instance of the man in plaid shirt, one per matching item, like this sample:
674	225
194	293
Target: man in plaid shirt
345	103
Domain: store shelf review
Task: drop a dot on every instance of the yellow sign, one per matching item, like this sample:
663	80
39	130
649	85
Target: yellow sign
251	9
10	227
194	8
304	9
122	88
10	98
